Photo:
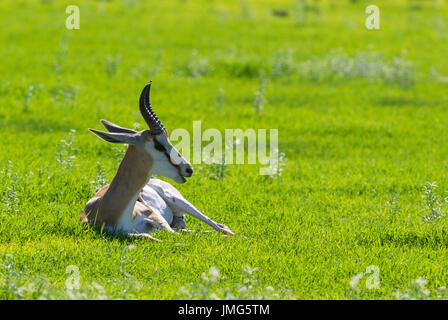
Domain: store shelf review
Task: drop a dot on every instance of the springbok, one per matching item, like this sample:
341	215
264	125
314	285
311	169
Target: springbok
133	204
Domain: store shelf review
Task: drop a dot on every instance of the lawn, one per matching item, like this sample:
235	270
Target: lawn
357	211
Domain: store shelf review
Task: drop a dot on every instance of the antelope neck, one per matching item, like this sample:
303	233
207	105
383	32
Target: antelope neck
131	177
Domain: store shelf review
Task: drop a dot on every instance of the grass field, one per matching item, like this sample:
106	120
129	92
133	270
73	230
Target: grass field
362	117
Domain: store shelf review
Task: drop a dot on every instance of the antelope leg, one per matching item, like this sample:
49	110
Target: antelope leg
143	235
183	205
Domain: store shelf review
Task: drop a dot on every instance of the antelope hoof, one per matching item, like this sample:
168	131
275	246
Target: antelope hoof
225	229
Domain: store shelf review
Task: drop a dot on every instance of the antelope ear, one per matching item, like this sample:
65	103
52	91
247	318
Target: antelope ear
113	137
111	127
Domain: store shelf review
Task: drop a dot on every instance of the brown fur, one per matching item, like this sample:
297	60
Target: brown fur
108	205
151	215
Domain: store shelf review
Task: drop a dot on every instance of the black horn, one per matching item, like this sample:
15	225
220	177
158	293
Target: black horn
155	125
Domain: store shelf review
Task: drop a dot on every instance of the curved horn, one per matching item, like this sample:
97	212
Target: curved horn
155	125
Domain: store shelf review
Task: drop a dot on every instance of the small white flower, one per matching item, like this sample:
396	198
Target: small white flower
421	282
214	273
214	296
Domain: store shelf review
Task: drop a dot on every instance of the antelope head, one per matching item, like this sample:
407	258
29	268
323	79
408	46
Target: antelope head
153	144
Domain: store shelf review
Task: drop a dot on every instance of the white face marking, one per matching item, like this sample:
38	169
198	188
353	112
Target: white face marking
168	162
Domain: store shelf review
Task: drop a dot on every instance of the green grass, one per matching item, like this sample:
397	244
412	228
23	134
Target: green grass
362	118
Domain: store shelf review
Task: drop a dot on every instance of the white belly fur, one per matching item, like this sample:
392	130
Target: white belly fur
139	224
152	198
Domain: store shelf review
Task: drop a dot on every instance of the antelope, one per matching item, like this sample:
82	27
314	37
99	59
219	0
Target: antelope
133	204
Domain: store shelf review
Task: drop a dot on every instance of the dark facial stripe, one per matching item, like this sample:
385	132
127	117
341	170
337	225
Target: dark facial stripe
158	146
161	148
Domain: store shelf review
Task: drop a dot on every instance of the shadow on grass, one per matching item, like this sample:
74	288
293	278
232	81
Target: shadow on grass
39	125
98	232
432	240
406	102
